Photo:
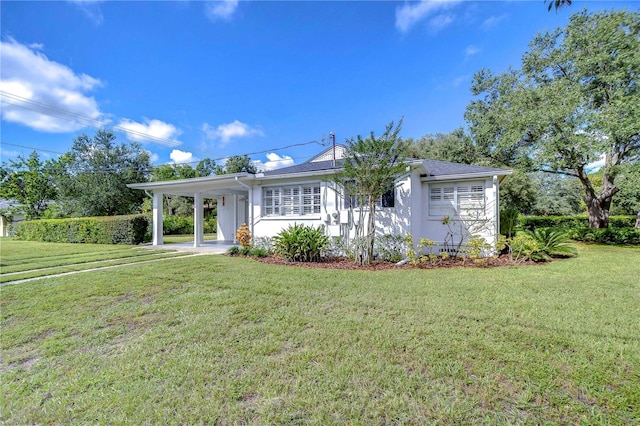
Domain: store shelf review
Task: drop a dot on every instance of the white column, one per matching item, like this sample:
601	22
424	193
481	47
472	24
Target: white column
198	220
157	218
235	217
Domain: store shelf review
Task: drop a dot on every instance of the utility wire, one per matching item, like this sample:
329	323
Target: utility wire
31	105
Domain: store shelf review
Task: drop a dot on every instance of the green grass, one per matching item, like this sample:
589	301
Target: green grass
185	238
28	259
214	339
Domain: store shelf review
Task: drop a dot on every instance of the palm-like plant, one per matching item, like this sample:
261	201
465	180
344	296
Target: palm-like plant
554	242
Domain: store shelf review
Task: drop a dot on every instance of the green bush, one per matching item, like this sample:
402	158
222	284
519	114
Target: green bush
509	220
621	236
532	222
233	250
177	225
181	225
390	248
130	229
300	243
553	242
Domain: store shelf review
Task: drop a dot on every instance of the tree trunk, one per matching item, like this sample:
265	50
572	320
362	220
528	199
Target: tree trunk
598	214
598	205
638	220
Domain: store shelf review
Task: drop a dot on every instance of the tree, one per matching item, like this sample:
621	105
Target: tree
558	4
27	181
456	146
575	99
206	167
371	167
237	164
93	175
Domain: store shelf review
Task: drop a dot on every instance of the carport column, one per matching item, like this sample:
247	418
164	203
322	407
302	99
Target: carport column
198	225
157	218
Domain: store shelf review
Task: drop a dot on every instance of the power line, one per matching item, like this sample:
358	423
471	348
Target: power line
31	147
54	111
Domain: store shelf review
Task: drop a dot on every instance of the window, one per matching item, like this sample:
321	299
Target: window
291	200
455	198
388	199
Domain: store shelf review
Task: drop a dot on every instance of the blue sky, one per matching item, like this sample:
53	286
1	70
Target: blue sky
193	79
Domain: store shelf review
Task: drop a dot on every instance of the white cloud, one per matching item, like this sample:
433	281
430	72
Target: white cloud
43	94
459	80
596	165
225	132
220	10
410	14
274	161
153	157
493	21
91	8
180	157
154	131
471	50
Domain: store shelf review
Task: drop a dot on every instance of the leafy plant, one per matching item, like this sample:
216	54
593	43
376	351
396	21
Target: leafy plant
509	221
263	243
390	248
554	242
243	235
233	250
300	243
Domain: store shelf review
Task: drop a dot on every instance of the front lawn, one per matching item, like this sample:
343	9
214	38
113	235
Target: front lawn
214	339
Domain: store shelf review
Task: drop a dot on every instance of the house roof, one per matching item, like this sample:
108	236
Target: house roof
446	169
215	185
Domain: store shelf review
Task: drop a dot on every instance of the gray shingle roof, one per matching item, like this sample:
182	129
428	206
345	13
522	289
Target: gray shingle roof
309	166
433	168
443	168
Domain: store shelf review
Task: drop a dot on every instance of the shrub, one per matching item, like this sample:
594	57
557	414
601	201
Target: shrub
263	243
301	243
177	225
233	250
210	225
606	235
509	221
554	242
243	235
130	229
532	222
390	248
259	252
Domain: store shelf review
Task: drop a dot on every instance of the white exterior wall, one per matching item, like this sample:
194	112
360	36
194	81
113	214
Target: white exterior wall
389	220
232	212
270	226
483	223
410	213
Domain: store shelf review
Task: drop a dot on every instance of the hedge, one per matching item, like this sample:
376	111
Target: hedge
605	235
530	223
180	225
132	229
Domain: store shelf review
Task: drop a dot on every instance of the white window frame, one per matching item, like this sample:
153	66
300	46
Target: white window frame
292	200
457	198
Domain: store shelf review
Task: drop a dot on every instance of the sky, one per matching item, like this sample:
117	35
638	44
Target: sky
272	79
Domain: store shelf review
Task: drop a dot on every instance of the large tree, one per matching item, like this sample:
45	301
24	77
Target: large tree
27	181
371	168
92	177
575	99
236	164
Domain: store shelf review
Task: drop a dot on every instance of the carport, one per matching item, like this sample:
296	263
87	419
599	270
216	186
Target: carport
231	191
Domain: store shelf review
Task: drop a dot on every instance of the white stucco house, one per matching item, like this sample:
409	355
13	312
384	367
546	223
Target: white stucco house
304	193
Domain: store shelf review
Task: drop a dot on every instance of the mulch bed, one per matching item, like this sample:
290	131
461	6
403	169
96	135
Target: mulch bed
379	265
